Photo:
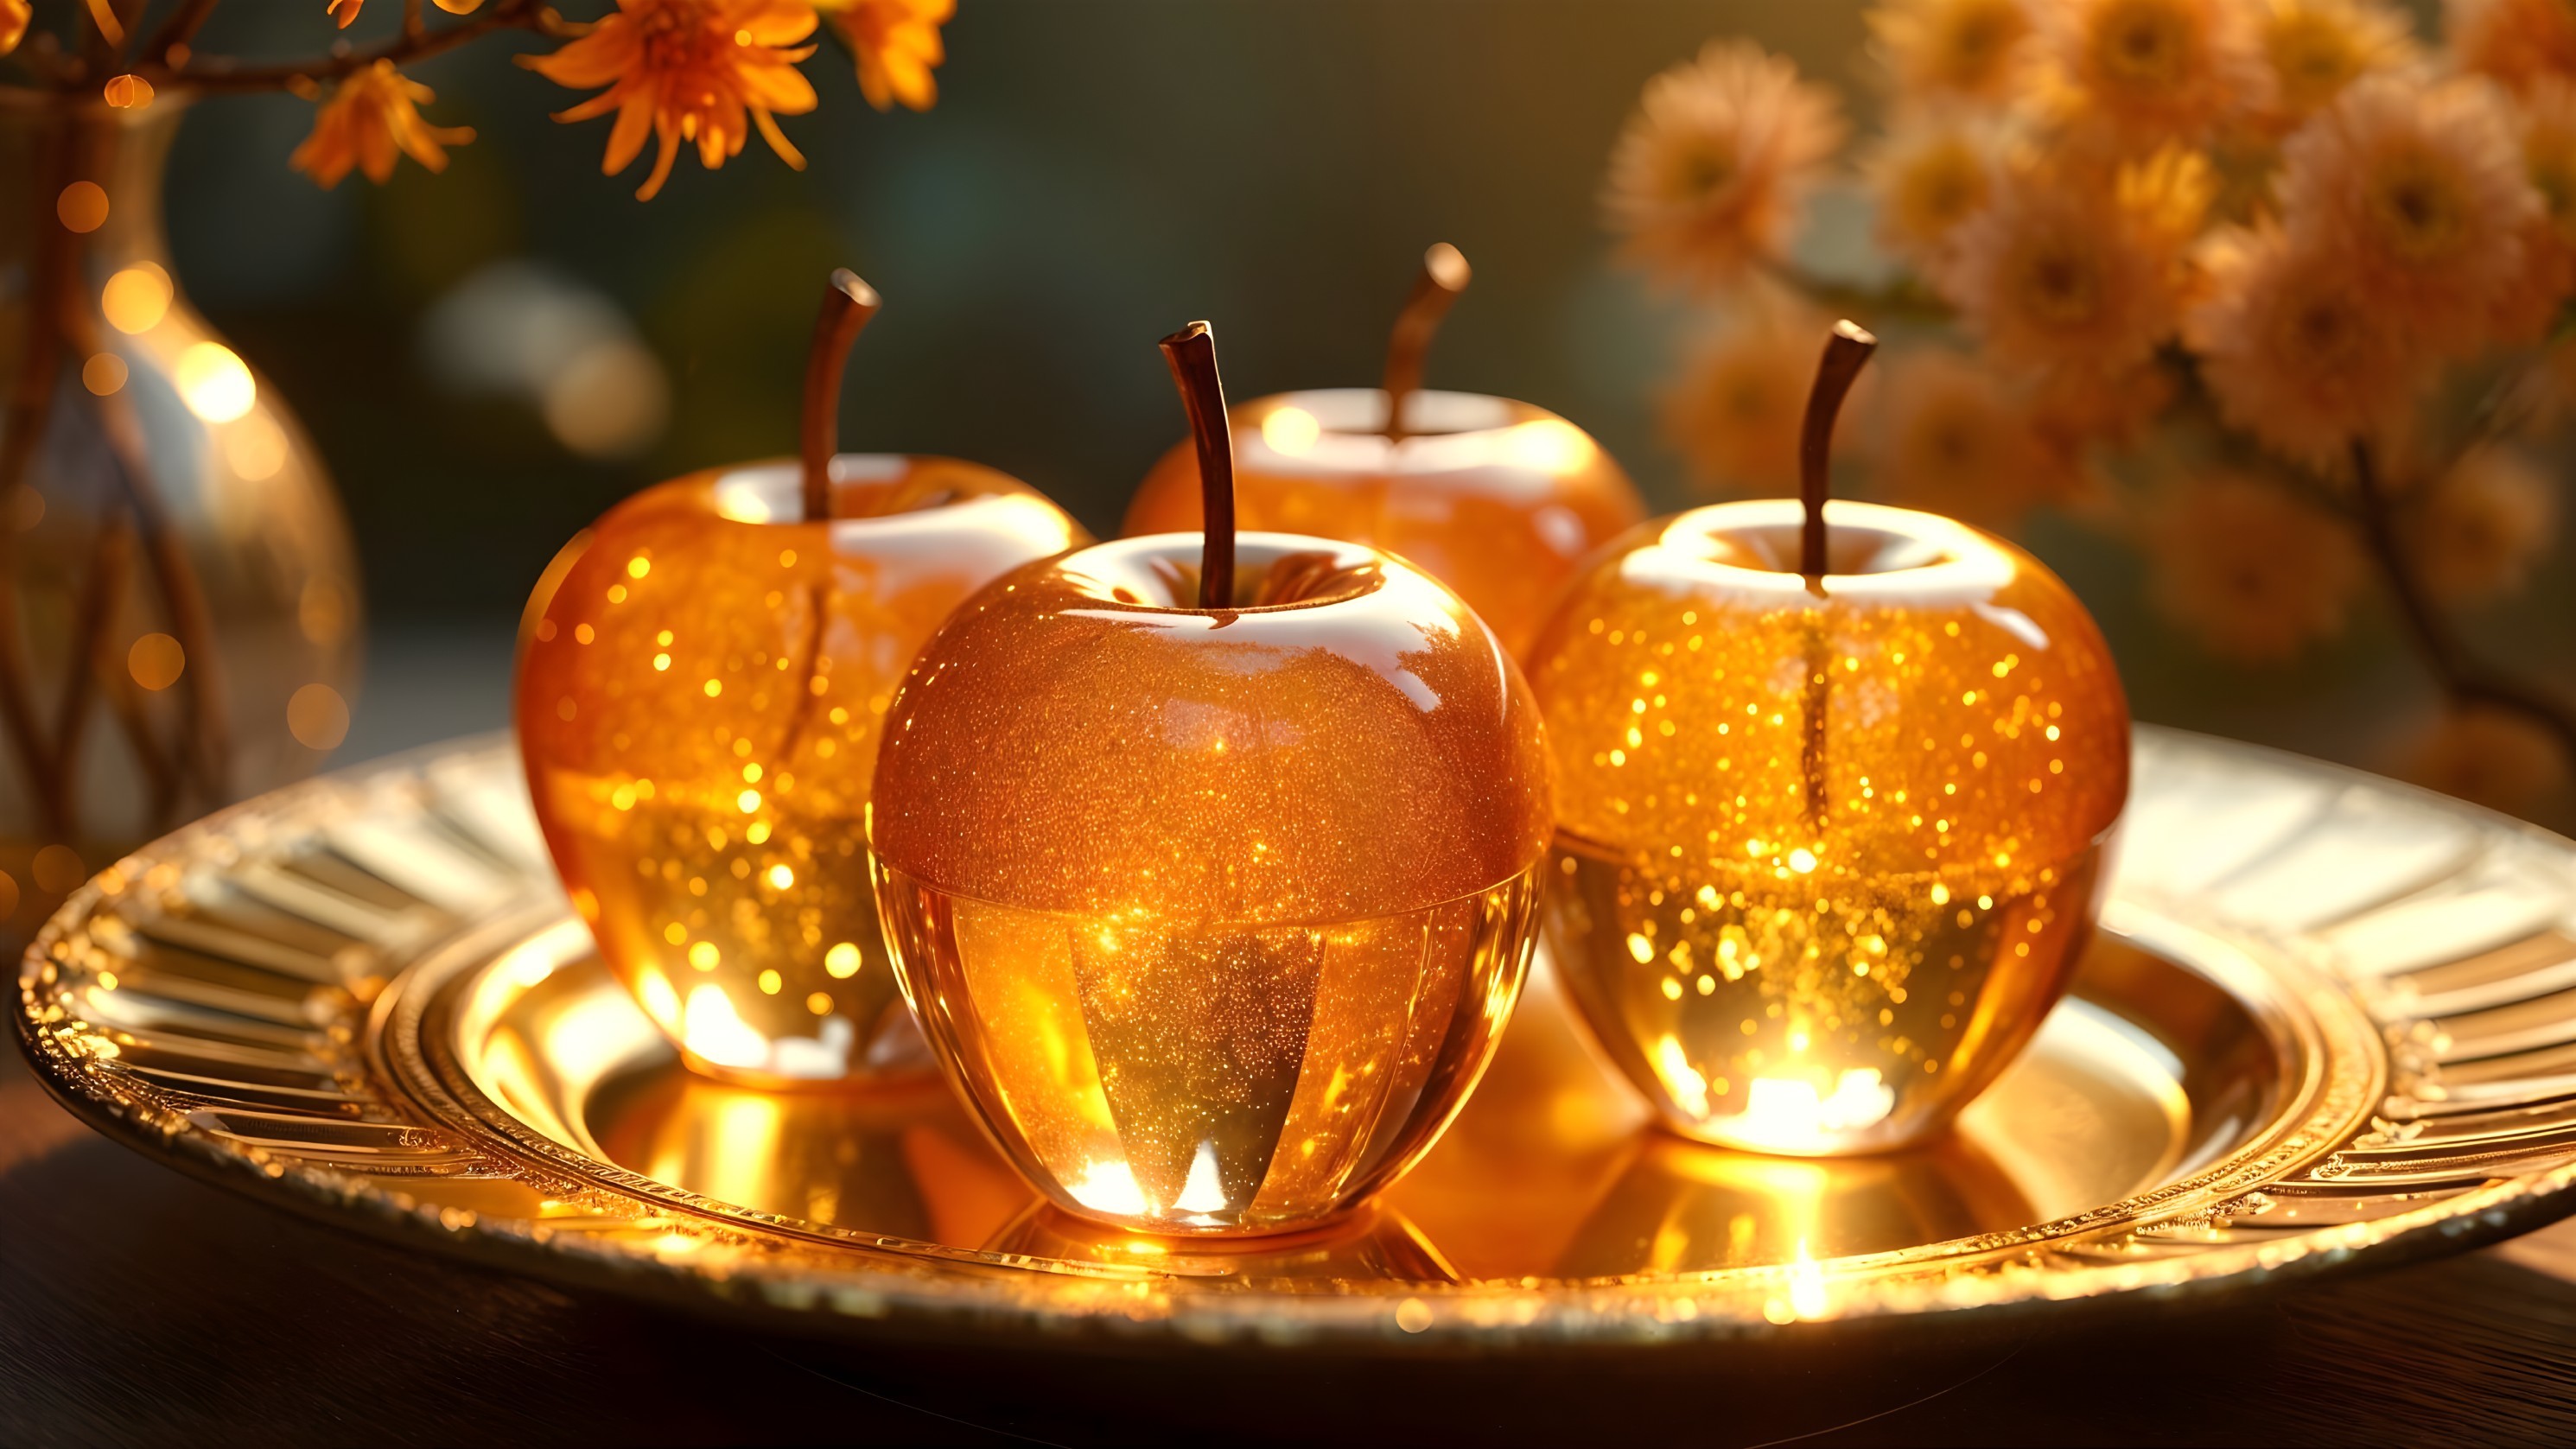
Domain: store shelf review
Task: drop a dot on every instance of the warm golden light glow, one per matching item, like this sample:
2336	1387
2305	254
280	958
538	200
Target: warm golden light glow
136	298
696	766
1222	990
103	374
1291	430
255	447
318	717
156	661
1825	860
82	206
214	383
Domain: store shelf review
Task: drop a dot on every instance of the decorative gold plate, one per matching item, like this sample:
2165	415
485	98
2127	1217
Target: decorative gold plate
2331	1020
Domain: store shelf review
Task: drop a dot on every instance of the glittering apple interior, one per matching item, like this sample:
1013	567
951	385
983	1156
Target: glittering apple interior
1826	856
1214	915
699	707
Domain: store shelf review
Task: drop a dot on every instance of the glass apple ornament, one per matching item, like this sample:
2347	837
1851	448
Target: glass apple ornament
1210	865
699	704
1834	785
1495	498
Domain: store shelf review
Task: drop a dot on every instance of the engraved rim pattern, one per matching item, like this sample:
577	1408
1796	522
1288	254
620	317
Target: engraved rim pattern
258	999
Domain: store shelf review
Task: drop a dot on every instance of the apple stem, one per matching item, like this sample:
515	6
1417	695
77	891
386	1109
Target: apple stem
1443	276
1192	355
848	303
1847	351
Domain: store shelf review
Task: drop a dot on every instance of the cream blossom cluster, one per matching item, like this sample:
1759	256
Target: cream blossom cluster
2261	281
1711	175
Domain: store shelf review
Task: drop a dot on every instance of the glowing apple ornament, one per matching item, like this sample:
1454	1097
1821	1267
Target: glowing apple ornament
1495	498
1834	784
700	698
1210	863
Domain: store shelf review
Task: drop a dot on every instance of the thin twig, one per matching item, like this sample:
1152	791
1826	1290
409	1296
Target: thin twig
179	30
90	658
2468	679
30	415
102	36
215	76
129	19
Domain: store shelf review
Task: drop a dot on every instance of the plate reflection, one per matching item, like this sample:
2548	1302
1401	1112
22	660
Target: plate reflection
1552	1172
905	1163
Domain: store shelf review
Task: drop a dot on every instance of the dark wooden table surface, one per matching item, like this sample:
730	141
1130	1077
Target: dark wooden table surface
139	1306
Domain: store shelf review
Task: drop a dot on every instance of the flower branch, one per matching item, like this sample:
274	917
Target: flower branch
214	75
2125	227
2466	678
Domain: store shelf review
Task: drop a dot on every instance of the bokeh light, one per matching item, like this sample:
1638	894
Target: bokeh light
215	383
156	661
136	298
318	717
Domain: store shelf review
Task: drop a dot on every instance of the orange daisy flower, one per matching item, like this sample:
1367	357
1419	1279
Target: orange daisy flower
15	15
372	114
690	70
897	45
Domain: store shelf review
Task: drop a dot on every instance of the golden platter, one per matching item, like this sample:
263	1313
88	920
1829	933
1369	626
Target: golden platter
2331	1020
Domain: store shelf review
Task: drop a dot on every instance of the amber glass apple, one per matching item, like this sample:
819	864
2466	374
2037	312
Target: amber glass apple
1213	913
1495	498
1828	844
700	700
1212	903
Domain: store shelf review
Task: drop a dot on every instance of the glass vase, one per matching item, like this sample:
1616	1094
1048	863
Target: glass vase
178	595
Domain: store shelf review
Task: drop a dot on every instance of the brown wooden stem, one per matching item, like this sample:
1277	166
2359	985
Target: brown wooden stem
2466	678
1847	351
217	76
1191	352
848	303
179	29
1444	275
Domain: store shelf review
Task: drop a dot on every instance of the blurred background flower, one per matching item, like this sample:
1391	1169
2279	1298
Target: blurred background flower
2274	292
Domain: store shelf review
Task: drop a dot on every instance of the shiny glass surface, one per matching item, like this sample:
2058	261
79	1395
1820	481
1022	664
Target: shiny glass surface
1495	498
1194	1076
699	705
176	575
1827	854
1212	914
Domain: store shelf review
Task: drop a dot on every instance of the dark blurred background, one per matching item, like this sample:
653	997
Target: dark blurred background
1095	173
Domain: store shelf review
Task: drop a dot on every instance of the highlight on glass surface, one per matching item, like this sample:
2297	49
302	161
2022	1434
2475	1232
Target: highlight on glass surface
1835	783
701	685
1209	864
1827	855
1495	498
